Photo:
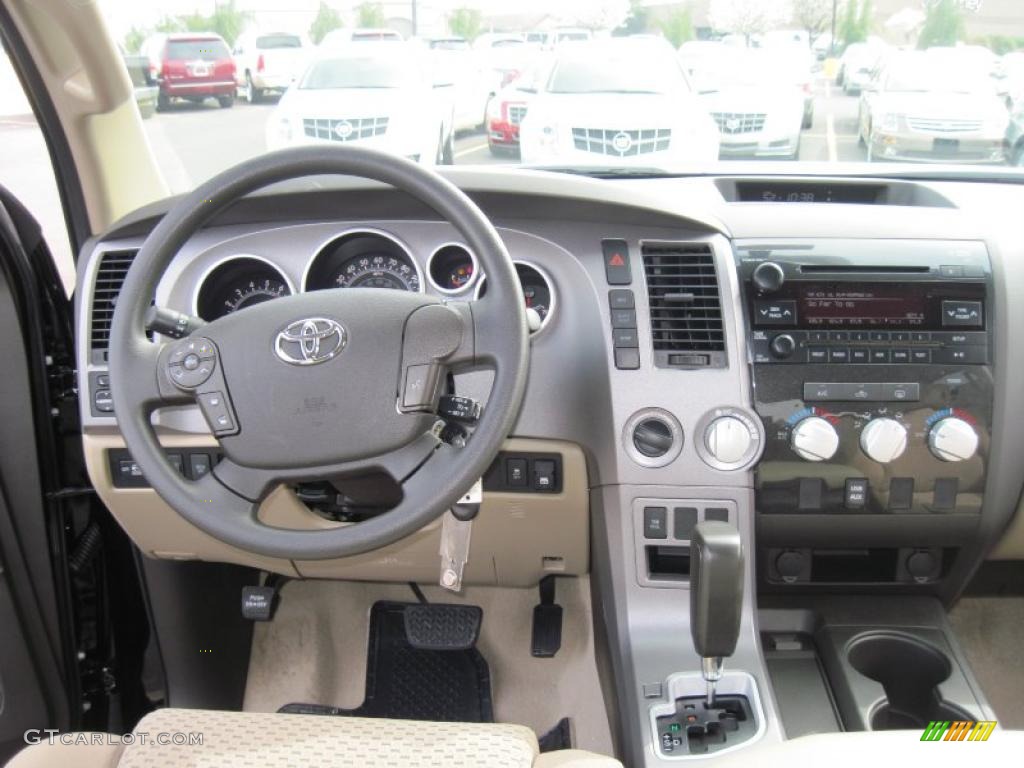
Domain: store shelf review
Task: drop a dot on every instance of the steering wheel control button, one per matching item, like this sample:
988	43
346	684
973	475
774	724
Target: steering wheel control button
616	262
218	413
420	390
191	363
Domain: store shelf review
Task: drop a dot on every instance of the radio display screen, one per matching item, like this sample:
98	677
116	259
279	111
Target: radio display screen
874	306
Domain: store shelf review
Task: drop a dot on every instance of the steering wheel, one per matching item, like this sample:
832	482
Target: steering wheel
320	385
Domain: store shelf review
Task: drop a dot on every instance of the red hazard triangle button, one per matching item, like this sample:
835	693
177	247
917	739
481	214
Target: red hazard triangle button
616	262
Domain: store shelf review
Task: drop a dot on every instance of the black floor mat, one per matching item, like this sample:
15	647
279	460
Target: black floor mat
409	684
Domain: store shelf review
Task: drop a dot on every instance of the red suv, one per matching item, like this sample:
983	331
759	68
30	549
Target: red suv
192	66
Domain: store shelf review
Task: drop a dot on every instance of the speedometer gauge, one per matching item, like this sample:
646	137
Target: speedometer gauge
364	259
377	271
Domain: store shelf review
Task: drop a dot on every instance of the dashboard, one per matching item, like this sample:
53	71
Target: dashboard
837	376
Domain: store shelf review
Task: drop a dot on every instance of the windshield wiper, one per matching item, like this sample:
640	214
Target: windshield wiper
609	90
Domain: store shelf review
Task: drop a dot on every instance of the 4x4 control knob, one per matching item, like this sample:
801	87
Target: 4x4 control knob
768	277
782	346
952	439
883	440
814	439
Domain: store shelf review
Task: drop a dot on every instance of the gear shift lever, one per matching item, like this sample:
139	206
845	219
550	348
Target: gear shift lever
716	596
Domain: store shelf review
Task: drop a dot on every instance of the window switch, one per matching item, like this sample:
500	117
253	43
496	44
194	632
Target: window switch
544	476
515	473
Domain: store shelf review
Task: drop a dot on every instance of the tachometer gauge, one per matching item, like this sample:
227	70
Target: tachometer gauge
377	271
254	292
237	283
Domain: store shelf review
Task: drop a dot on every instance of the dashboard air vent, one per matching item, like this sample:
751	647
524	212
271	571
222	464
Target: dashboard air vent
109	279
686	308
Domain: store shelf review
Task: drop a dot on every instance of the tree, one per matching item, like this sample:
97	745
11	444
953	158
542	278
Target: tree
133	39
849	26
370	15
748	17
327	20
226	20
812	16
678	26
636	22
465	22
943	24
864	19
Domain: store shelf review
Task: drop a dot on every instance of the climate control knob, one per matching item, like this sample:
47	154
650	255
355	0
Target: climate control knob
883	440
953	439
815	439
728	439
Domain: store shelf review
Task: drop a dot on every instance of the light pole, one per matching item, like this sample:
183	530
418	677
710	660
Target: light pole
414	20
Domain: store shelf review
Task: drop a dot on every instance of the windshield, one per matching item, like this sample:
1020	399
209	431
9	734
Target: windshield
627	73
688	85
361	72
197	50
924	73
270	42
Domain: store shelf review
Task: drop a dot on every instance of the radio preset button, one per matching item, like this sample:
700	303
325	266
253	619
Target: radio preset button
879	355
879	335
859	355
860	336
818	335
838	355
900	356
901	336
838	336
817	354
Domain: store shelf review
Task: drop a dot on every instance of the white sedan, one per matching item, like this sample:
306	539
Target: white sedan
617	102
374	94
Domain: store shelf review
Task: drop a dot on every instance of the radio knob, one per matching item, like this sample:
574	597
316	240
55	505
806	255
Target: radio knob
727	439
782	346
768	277
883	440
953	439
815	439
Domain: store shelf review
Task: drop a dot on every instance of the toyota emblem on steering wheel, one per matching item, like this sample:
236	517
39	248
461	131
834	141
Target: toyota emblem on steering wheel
310	341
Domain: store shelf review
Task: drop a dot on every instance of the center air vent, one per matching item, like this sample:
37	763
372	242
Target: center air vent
109	279
686	308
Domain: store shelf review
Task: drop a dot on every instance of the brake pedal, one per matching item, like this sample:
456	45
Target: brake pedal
442	627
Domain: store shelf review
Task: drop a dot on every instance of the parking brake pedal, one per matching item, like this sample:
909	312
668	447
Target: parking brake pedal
260	602
547	622
437	627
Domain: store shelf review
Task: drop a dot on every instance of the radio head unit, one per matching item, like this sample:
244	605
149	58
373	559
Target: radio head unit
868	302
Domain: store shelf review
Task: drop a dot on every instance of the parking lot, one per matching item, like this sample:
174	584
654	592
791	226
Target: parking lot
190	145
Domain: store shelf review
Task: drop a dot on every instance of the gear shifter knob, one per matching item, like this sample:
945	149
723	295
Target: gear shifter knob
716	595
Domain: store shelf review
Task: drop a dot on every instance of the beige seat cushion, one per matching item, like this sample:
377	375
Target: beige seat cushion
245	740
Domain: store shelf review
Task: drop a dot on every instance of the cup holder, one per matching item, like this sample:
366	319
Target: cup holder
910	670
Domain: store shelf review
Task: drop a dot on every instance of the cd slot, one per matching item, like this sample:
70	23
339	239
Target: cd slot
847	269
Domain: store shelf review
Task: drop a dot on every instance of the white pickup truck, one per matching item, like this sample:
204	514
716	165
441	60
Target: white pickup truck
268	62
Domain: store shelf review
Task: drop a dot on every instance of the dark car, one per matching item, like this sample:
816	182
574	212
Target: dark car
193	66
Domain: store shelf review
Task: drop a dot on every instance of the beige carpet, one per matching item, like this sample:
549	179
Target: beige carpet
315	652
991	629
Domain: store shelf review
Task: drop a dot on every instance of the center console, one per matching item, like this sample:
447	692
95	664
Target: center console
871	368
